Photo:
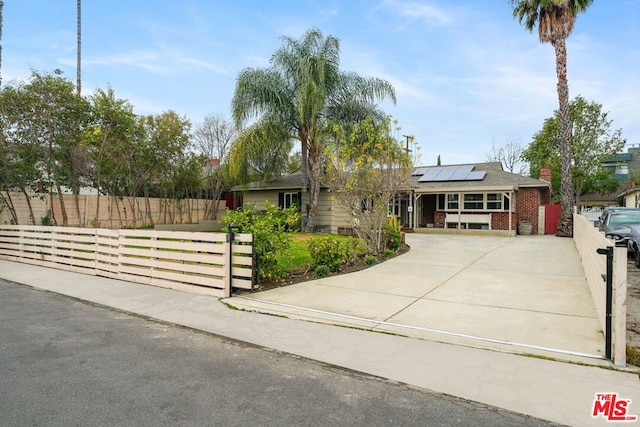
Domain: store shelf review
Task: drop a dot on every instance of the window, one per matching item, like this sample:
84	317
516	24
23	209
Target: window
452	202
622	170
286	200
494	201
367	204
473	202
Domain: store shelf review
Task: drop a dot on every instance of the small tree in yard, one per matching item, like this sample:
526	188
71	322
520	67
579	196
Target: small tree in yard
272	234
366	168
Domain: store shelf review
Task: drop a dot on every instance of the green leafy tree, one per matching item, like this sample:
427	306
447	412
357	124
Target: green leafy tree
295	99
108	139
21	159
554	20
593	140
159	144
366	168
46	116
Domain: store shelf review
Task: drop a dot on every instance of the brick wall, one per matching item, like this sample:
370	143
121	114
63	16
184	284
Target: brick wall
527	202
526	206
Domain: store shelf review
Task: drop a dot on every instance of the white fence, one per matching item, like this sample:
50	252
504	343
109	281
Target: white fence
588	240
591	214
193	261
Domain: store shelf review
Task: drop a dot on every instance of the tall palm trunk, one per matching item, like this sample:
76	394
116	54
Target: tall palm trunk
315	172
566	148
79	50
1	6
304	191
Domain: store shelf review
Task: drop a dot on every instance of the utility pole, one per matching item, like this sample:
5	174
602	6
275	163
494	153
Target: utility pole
409	138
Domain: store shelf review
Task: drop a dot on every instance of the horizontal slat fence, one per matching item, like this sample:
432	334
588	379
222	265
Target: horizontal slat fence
192	261
588	240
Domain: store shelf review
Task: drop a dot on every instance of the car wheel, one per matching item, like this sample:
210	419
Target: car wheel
636	257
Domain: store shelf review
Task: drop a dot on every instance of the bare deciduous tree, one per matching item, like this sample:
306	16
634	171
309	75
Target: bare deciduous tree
510	155
212	138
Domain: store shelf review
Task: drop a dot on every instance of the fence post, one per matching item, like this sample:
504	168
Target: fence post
232	229
608	278
619	304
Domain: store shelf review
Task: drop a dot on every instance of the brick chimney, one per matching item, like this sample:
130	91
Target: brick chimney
213	162
545	174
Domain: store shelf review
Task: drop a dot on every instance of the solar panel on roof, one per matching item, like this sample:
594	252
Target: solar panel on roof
446	173
432	173
419	171
450	173
476	176
461	173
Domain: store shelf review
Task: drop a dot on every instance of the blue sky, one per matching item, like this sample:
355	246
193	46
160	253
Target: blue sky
466	74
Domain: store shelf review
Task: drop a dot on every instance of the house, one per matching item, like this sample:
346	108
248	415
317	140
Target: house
479	196
631	196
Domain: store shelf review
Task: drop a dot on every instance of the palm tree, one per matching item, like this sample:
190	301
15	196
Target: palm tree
555	19
1	6
296	98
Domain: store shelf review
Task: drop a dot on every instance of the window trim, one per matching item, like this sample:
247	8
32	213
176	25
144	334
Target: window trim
451	202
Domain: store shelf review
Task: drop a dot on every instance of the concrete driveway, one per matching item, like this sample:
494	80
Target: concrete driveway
526	294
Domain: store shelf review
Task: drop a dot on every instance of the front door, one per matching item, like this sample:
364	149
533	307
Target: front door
428	210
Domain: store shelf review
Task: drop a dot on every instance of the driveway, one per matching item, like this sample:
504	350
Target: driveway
526	294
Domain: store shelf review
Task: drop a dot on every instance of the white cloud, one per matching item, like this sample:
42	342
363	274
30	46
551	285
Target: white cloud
431	15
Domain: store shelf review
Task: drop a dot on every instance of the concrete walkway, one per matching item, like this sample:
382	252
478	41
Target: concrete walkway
524	295
559	392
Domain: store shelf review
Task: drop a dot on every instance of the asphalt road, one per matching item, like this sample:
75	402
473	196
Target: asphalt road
68	363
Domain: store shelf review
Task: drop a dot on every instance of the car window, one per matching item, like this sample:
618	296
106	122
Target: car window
615	219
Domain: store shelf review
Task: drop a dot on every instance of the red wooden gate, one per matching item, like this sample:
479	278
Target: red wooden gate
552	215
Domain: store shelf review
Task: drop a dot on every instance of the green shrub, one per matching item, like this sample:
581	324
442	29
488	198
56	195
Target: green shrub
388	253
393	233
332	252
272	234
47	220
370	260
322	271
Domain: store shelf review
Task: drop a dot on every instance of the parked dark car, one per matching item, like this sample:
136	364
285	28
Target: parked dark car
609	209
618	226
633	243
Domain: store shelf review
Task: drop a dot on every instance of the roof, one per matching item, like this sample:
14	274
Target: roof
286	182
620	157
493	179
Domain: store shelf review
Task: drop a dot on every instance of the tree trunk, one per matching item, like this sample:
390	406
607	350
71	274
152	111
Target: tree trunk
304	191
1	6
32	218
315	171
9	204
63	209
96	222
566	148
53	214
79	46
76	197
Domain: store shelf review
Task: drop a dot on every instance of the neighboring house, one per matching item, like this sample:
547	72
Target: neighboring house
620	164
470	196
597	200
631	197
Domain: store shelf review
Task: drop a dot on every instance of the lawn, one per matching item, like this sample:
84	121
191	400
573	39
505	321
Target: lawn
297	257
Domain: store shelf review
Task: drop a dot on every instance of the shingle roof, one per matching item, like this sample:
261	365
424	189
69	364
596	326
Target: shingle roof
287	182
495	179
